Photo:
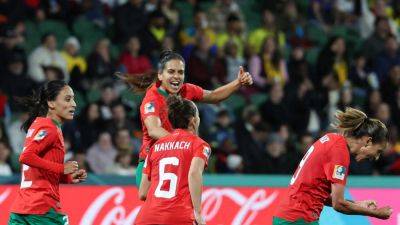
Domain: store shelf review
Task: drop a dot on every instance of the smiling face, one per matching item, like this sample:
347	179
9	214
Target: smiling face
63	107
172	76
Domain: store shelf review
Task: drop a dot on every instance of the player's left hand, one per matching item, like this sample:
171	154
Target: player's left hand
79	176
245	78
369	204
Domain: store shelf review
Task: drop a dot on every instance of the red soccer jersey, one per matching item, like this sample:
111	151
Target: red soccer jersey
42	169
167	165
326	162
154	104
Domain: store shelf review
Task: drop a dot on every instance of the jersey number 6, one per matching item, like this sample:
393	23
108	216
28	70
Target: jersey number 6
171	177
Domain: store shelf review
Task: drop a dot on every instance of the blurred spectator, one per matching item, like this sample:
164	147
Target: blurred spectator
123	166
219	13
119	119
101	155
5	169
132	61
130	20
46	55
360	78
370	14
12	11
253	148
123	141
234	33
100	64
333	59
153	35
374	100
233	61
167	7
269	66
391	85
202	64
389	57
108	98
150	6
268	29
188	36
16	134
14	80
274	110
278	160
90	124
293	24
76	64
92	10
11	39
376	42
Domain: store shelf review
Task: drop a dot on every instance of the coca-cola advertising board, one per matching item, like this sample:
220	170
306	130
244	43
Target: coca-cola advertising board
114	205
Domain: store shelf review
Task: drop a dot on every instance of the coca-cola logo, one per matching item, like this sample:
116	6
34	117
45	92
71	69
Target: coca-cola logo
213	203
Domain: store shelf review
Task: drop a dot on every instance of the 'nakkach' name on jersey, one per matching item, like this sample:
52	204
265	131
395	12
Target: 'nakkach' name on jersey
172	145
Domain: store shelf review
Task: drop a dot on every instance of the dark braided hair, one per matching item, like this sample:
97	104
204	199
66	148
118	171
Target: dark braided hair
37	103
180	111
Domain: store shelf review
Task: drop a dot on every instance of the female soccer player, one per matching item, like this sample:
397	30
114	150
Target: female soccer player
175	166
42	159
321	176
153	110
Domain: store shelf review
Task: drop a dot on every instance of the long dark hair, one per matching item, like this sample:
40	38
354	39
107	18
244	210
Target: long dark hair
37	102
355	123
140	82
180	111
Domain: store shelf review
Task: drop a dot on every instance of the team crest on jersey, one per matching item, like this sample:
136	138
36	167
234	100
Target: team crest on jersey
339	172
40	135
207	152
149	107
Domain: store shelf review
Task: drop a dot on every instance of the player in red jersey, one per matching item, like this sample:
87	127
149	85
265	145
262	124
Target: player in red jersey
172	176
321	176
170	80
42	159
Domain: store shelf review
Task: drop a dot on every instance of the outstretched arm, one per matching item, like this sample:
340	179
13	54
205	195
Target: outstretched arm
153	125
223	92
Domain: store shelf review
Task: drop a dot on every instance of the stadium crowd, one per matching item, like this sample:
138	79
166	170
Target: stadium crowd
307	58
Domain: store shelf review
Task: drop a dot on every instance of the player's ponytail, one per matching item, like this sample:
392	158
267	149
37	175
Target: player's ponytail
355	123
141	82
180	111
37	102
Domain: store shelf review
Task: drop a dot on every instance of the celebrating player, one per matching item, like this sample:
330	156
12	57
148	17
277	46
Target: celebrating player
171	75
42	159
321	176
174	166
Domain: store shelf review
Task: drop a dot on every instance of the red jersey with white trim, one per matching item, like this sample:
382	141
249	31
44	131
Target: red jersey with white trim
42	169
154	104
326	162
167	166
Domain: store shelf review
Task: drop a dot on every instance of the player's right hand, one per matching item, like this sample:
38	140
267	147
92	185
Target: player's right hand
384	212
70	167
199	220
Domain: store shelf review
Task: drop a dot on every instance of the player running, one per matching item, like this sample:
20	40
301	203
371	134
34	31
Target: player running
174	166
321	176
170	80
42	159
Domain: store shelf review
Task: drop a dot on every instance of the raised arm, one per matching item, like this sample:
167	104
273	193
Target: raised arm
223	92
351	208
